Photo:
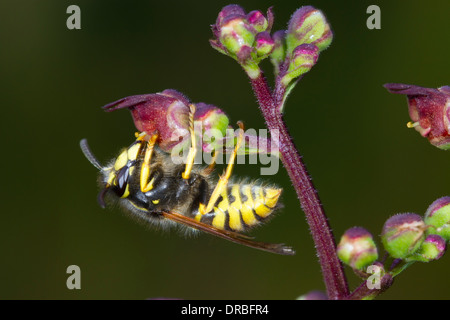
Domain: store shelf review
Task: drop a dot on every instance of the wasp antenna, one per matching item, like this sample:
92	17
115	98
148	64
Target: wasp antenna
89	155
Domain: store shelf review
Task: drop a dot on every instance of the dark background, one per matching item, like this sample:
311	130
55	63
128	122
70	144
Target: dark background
364	162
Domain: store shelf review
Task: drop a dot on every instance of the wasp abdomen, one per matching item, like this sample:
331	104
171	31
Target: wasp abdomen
242	206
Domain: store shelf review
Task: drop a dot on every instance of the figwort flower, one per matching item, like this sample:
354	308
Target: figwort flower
403	234
168	114
429	110
357	248
437	218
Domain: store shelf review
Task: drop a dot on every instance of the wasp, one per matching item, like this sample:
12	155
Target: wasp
151	187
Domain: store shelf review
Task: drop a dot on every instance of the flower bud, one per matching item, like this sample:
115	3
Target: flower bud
244	37
236	34
429	110
212	118
304	57
433	248
403	234
264	44
357	248
229	10
257	20
437	218
308	25
279	51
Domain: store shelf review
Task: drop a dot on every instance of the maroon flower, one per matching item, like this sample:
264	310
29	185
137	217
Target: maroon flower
168	114
429	110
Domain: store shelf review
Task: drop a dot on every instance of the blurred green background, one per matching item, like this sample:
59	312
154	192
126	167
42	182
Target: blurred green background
363	160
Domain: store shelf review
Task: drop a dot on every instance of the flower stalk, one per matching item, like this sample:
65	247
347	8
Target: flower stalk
332	270
247	39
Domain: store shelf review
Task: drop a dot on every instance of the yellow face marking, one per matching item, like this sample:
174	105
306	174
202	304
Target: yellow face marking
121	160
134	151
247	207
111	177
155	201
272	196
127	192
219	219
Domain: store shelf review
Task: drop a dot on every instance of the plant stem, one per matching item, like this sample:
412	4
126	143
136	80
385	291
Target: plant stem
332	270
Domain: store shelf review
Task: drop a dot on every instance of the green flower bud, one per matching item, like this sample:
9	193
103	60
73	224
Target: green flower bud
236	34
357	248
433	248
244	37
279	51
437	218
304	57
257	20
403	234
308	25
264	44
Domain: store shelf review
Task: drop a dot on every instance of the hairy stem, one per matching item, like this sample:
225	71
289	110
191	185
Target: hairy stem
332	269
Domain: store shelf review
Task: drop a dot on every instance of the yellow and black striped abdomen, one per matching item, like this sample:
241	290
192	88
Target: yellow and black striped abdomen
242	206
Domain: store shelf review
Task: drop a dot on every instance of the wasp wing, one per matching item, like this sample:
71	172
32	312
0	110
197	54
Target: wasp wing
228	235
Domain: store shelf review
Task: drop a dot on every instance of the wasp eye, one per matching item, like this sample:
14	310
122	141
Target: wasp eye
155	201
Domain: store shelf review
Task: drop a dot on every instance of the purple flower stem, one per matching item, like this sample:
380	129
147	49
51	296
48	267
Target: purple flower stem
332	269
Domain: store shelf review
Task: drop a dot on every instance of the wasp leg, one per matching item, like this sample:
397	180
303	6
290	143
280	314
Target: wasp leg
223	180
145	168
210	168
193	150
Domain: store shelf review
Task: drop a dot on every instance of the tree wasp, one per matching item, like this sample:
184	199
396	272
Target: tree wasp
151	187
